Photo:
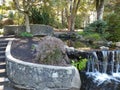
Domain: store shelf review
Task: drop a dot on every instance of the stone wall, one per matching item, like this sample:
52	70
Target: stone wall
36	29
41	77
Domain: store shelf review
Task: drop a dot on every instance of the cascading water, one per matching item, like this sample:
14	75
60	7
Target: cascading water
104	66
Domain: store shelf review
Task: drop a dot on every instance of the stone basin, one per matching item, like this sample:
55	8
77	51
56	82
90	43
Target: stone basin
40	77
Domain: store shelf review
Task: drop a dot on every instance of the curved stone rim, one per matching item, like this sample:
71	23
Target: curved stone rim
9	56
75	83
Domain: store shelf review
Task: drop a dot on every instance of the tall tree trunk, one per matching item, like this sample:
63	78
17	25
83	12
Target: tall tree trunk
27	22
25	10
71	23
100	9
63	17
73	11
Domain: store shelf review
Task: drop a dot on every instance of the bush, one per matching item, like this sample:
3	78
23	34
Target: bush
98	26
26	34
11	15
40	17
80	65
113	21
91	35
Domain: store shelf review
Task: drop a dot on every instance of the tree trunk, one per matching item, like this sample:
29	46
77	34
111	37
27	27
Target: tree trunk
71	23
62	17
100	9
74	5
27	23
25	10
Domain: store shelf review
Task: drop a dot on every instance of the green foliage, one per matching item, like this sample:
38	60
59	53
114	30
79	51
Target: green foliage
80	65
91	36
26	34
78	21
11	15
1	16
78	44
113	21
40	17
98	26
18	18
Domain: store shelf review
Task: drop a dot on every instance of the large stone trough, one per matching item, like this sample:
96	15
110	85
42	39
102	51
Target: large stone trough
40	77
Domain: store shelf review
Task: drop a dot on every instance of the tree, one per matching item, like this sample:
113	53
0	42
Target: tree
113	20
74	5
23	6
100	8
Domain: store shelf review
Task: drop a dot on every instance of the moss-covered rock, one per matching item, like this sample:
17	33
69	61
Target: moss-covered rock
51	51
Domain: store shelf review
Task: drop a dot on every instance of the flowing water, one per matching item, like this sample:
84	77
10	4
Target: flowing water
104	66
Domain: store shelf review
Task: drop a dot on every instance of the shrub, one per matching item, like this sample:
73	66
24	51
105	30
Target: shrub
91	35
26	34
80	65
113	27
11	15
98	26
40	17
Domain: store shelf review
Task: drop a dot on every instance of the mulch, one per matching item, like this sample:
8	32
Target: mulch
22	49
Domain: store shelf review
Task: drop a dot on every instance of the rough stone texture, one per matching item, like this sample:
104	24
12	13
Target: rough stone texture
13	29
41	77
118	44
51	51
7	21
36	29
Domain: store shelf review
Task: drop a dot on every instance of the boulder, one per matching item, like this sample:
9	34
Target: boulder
36	29
51	51
118	44
7	21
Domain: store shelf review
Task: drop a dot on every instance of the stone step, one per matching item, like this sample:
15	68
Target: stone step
3	41
2	60
3	44
2	53
3	66
4	81
8	36
2	48
2	57
3	74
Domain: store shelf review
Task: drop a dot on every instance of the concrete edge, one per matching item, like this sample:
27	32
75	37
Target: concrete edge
75	81
11	58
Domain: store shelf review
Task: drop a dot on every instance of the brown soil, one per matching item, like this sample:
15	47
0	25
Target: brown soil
22	49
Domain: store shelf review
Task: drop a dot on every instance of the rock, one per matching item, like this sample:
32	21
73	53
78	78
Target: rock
118	44
36	29
69	49
7	21
104	48
51	51
31	76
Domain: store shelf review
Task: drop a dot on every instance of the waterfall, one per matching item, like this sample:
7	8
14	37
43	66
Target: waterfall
117	61
104	67
105	61
112	62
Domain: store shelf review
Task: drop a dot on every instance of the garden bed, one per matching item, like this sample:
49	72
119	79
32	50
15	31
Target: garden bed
23	49
32	76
